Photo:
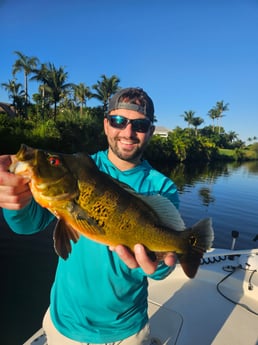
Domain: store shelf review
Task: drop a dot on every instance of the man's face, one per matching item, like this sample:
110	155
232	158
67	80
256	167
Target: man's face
127	144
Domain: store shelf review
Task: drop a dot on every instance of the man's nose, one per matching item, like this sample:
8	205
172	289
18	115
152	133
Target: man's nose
128	130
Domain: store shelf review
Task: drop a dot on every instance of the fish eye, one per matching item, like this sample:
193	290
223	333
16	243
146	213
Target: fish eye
55	161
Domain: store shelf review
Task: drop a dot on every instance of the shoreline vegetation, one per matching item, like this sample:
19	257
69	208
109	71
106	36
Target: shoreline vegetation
57	118
72	132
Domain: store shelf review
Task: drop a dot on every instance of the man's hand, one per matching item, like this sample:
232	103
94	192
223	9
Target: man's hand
14	190
141	258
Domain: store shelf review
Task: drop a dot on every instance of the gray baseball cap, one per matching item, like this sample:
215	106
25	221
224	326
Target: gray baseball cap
132	98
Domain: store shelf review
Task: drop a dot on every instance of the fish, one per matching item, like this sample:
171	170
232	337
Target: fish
91	203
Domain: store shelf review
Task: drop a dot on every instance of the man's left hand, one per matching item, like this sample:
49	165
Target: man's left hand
141	258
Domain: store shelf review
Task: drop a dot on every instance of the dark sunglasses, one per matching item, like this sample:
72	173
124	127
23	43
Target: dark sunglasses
120	122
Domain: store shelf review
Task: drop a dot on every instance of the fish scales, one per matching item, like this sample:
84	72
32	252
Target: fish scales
131	216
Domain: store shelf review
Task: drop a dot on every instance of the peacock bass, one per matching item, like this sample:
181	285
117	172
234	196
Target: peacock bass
91	203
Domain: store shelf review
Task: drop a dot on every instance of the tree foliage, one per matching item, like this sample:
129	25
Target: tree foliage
59	118
105	89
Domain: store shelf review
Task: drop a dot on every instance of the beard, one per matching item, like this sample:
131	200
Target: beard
131	154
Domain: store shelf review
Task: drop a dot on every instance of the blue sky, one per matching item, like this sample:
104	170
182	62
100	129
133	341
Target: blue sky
187	54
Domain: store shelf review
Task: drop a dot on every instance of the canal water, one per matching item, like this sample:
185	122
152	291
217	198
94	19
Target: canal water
228	193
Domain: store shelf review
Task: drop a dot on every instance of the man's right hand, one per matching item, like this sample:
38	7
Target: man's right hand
14	190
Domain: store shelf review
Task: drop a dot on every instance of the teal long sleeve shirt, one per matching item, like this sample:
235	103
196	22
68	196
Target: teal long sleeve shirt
95	297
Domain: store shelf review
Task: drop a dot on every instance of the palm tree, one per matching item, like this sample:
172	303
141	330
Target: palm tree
188	117
25	64
196	121
12	88
81	94
105	89
232	136
221	107
54	83
40	74
14	93
213	114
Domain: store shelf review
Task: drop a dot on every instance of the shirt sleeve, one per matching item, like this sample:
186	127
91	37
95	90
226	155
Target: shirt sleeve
31	219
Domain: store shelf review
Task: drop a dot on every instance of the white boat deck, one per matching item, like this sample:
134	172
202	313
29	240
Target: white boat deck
193	312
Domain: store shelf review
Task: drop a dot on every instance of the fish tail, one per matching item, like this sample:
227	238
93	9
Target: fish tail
199	239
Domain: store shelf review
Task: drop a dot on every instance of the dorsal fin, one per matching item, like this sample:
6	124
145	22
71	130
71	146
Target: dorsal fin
167	213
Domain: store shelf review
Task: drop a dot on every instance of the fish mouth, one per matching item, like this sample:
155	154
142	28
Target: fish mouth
20	168
21	162
26	153
24	169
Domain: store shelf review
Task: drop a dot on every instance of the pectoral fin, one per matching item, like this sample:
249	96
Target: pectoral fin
84	223
88	225
63	234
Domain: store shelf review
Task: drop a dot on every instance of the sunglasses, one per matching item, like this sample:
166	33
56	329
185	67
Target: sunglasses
120	122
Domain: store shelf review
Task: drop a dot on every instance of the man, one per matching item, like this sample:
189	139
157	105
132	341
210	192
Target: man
99	295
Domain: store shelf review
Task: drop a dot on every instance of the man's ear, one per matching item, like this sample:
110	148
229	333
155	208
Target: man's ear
105	124
152	129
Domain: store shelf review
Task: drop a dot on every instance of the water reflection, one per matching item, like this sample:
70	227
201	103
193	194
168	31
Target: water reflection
190	174
226	192
251	167
205	194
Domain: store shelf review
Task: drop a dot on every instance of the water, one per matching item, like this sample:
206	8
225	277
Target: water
226	192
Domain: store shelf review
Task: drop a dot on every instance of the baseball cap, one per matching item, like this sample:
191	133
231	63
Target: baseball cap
132	98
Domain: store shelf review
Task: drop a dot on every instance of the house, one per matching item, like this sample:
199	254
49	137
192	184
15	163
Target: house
161	131
7	108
